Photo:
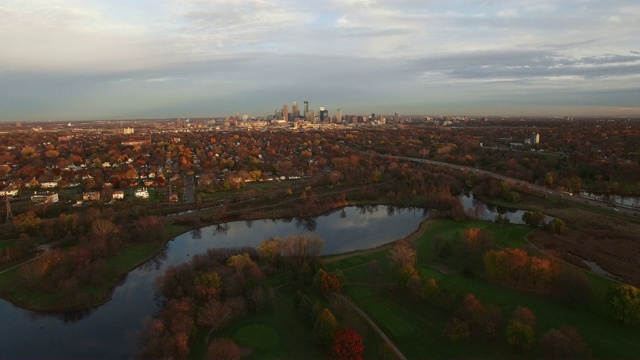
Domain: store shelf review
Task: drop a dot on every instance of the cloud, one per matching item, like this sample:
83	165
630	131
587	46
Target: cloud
229	55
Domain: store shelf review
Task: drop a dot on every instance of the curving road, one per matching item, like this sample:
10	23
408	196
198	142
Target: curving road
525	186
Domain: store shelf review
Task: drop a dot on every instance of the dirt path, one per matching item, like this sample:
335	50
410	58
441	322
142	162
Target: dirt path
373	325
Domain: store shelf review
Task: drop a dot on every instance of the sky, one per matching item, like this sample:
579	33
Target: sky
122	59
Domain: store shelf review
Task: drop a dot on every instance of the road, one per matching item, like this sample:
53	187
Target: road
525	186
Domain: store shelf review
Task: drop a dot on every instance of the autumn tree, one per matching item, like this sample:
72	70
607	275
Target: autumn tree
223	349
270	250
207	285
27	222
456	329
326	283
402	254
625	302
564	343
520	332
215	314
347	345
324	327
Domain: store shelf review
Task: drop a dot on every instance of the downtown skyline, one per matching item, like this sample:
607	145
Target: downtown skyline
73	60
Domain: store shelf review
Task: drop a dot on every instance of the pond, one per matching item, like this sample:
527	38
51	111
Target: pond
111	330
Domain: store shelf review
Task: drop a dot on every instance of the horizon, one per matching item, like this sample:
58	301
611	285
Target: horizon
83	60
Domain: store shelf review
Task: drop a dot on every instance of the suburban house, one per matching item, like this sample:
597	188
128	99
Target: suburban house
91	196
9	191
118	195
142	193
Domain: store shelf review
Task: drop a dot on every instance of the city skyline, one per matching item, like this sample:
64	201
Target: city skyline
76	60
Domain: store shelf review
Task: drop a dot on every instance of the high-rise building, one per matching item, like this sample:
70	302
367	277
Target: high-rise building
294	110
306	108
339	115
535	138
324	115
395	118
285	112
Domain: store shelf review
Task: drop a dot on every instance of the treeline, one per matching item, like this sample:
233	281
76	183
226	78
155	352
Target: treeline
91	239
222	285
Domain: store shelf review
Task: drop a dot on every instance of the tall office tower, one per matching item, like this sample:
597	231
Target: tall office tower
339	115
310	116
285	112
324	115
395	118
535	138
306	108
294	110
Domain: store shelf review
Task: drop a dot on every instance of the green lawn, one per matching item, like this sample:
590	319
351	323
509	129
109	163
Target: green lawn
416	325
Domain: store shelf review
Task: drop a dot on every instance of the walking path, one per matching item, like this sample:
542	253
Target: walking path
373	325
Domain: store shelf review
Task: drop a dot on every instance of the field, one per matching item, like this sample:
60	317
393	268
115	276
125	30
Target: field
415	325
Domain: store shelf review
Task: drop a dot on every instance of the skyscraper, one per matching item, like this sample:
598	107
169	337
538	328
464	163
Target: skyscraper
339	115
306	108
294	110
285	112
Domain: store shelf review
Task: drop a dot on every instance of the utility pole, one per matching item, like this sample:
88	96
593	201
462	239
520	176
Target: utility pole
9	213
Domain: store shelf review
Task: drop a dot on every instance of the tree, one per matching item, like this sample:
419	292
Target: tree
564	343
27	222
239	261
207	285
625	302
572	287
270	250
222	349
347	345
326	283
521	329
519	335
456	329
215	314
324	327
402	254
557	226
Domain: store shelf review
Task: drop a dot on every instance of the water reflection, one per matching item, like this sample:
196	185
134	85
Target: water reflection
106	331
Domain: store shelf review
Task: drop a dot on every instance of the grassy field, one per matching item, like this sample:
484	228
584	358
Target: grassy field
416	325
279	332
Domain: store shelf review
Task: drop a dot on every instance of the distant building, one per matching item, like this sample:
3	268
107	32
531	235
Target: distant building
285	112
45	197
9	191
306	108
294	110
395	118
339	115
91	196
324	115
535	138
142	193
128	131
118	195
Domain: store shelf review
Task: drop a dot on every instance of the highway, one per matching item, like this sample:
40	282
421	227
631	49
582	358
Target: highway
526	186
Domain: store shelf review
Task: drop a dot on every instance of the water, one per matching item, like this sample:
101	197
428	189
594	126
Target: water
477	209
110	331
630	202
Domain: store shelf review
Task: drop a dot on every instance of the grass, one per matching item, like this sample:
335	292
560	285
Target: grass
415	325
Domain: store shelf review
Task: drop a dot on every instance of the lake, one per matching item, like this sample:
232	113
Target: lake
111	330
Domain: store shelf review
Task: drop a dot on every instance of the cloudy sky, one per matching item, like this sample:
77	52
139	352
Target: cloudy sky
97	59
